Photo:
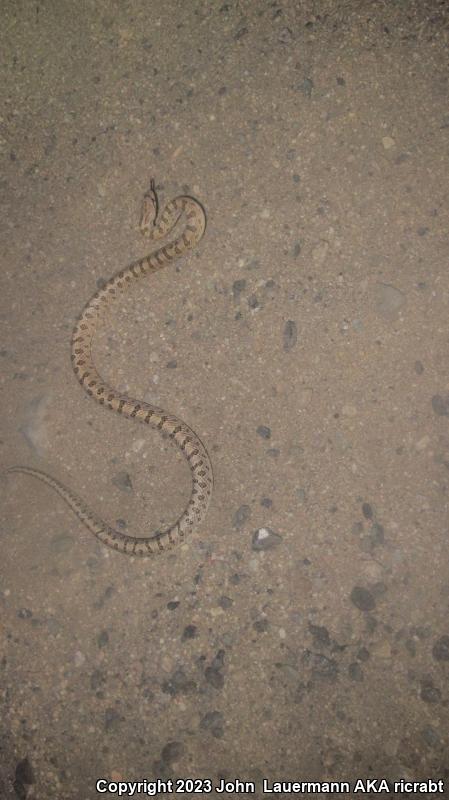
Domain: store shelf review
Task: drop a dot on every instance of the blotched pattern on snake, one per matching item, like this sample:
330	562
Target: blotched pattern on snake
157	226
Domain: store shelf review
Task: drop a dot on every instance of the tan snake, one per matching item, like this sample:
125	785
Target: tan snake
191	211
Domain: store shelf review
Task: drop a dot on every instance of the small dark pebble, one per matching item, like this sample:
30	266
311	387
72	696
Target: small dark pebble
367	511
123	482
419	367
430	736
225	602
266	502
440	405
109	592
241	516
214	677
363	654
238	287
218	660
362	598
24	613
240	33
320	635
189	632
264	432
290	335
429	693
375	536
265	538
103	639
213	721
306	87
440	650
172	364
97	679
261	625
172	752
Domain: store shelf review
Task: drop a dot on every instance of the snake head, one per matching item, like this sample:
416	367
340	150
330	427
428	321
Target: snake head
150	208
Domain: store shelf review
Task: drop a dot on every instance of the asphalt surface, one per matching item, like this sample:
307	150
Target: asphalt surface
302	633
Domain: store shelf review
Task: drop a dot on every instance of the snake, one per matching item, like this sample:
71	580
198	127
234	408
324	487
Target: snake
188	212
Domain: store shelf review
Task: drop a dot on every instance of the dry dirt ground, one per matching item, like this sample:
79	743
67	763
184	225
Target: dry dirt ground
305	340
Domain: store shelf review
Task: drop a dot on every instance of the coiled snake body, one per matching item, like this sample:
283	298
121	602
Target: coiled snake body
89	378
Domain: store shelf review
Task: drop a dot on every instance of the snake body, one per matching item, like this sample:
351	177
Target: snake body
188	209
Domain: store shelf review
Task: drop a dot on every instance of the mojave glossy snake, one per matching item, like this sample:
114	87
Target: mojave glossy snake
181	208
